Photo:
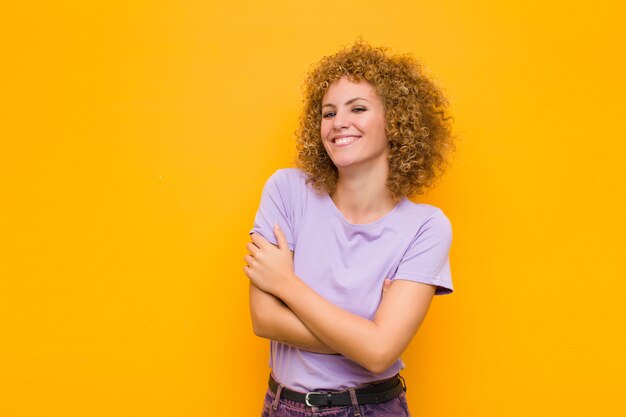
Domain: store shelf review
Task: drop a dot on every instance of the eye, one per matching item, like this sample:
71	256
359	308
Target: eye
357	109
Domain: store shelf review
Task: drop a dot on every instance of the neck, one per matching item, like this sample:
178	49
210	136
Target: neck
362	194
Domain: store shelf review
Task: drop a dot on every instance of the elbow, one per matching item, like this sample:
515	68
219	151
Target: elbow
260	332
262	323
379	367
258	327
258	313
379	361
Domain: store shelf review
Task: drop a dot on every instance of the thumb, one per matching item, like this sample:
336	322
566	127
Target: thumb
386	285
280	237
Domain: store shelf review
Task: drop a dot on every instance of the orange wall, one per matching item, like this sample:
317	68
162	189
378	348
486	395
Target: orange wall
137	136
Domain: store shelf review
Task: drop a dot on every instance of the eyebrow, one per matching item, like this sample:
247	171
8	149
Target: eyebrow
347	102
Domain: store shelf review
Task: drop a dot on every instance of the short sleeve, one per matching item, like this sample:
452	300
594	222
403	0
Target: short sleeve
275	207
427	258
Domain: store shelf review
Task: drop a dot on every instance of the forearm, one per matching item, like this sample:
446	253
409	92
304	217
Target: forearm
272	319
374	344
353	336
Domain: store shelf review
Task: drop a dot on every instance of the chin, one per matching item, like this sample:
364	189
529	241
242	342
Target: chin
342	162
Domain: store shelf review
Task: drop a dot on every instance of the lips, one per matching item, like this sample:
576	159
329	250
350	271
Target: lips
344	140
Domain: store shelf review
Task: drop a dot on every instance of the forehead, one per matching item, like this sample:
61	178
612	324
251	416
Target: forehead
344	88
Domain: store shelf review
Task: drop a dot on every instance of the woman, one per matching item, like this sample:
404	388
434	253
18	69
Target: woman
335	233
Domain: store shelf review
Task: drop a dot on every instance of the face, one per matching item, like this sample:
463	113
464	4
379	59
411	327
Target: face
353	124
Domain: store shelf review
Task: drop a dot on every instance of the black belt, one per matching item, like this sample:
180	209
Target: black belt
380	392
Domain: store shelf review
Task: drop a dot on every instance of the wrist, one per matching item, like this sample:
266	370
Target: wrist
289	286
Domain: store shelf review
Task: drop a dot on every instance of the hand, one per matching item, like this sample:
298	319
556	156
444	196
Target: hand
269	267
386	286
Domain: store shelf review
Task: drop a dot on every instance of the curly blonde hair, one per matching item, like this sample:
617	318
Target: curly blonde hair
418	125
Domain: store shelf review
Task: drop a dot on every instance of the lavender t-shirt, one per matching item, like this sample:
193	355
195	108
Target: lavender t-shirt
347	264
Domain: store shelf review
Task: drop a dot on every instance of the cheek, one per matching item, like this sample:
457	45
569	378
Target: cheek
377	125
368	127
324	128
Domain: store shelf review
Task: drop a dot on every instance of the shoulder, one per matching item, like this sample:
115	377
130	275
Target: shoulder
293	174
291	178
427	212
287	184
427	217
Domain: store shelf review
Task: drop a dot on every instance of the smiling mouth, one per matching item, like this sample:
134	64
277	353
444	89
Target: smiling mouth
346	140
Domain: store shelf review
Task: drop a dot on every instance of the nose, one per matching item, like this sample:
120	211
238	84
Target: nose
340	120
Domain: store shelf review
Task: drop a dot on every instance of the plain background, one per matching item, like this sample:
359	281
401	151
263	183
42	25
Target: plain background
137	136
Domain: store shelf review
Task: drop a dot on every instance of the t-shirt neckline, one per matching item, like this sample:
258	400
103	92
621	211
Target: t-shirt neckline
345	221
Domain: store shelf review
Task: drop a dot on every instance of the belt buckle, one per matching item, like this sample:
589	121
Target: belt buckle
306	397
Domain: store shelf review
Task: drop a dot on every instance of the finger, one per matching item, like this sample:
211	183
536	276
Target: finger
280	237
386	285
252	248
249	260
259	240
248	271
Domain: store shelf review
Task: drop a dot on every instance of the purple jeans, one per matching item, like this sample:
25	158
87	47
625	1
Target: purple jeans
273	407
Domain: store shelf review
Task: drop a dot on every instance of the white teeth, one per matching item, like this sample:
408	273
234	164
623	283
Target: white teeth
345	140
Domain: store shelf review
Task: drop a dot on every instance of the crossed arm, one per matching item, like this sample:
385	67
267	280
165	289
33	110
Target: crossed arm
272	319
284	308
